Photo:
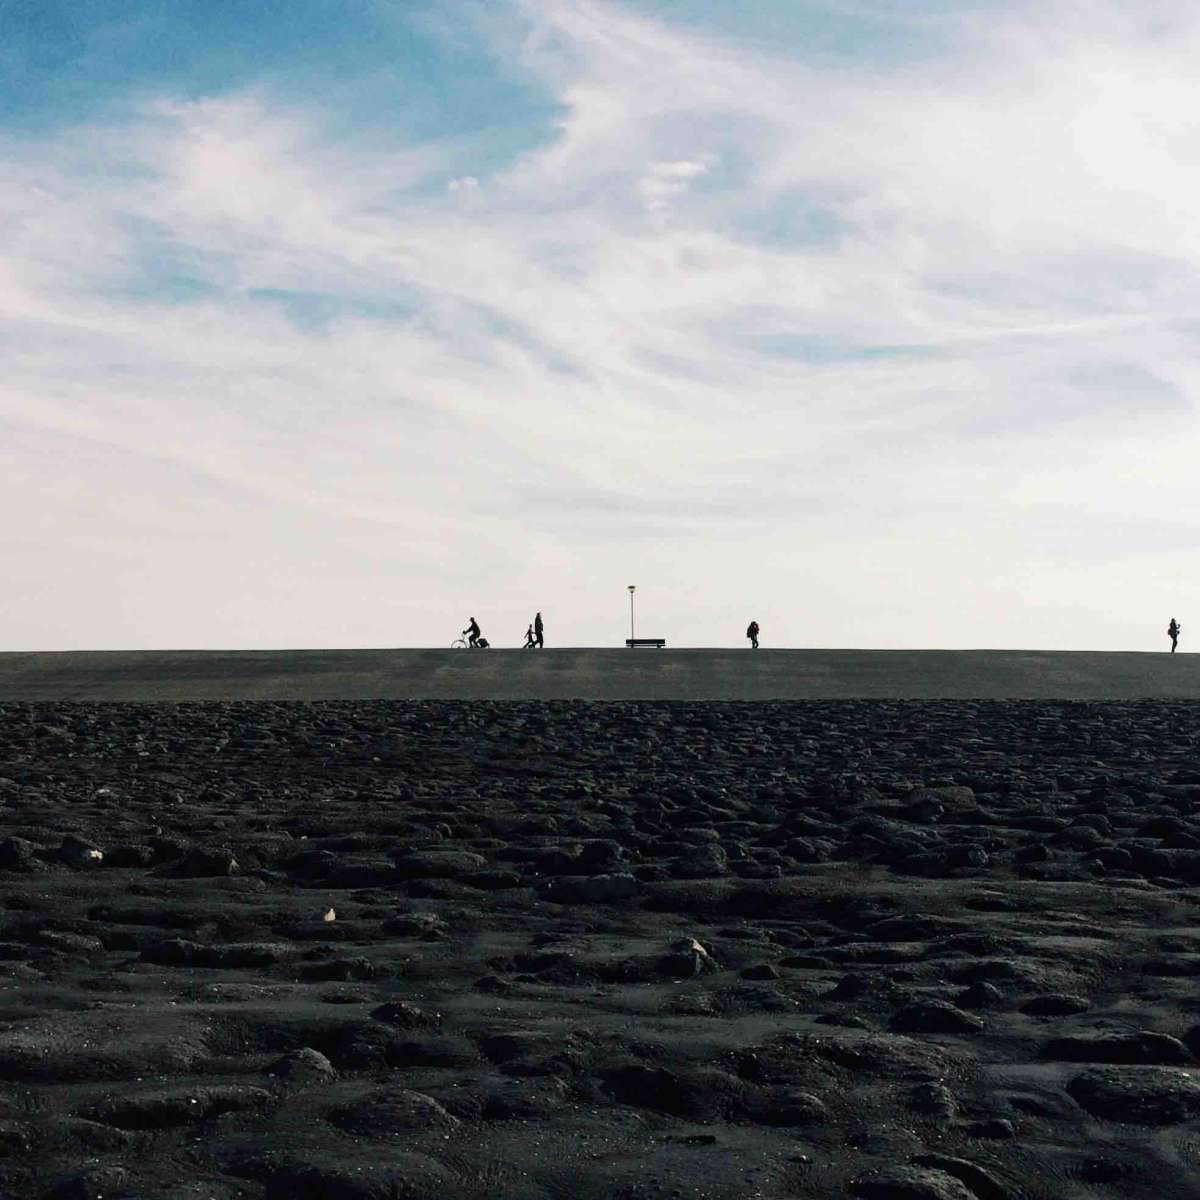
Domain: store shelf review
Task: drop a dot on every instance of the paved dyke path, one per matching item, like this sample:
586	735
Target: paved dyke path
597	674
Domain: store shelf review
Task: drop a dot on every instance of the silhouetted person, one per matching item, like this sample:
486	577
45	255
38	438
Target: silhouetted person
537	630
1173	631
530	640
752	634
471	633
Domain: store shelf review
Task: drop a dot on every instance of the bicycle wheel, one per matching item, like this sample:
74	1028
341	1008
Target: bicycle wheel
458	644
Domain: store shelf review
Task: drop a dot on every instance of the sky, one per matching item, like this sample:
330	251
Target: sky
333	323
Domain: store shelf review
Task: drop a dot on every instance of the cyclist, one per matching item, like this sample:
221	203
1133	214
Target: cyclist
471	633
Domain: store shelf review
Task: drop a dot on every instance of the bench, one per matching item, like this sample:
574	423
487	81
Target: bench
634	642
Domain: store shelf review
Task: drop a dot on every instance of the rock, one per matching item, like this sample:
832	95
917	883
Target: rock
494	880
401	1177
202	862
594	889
979	1180
933	1100
910	1183
69	943
1137	1095
934	1016
340	970
399	1014
953	799
760	971
601	857
881	1055
980	995
789	1108
79	854
180	952
1055	1004
18	854
700	862
532	1051
305	1065
96	1183
165	1108
128	854
999	1128
685	959
867	983
393	1112
362	1046
364	873
428	927
438	864
1126	1048
658	1088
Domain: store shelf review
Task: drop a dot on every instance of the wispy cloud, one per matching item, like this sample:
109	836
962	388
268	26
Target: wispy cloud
768	328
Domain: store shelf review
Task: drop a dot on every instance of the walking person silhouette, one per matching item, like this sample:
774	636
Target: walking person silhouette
537	631
1173	632
752	634
530	640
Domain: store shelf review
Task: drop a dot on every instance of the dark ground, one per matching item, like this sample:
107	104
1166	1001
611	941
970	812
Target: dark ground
895	950
579	673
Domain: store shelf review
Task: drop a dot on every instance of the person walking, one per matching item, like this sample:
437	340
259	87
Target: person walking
1173	632
538	631
752	634
530	640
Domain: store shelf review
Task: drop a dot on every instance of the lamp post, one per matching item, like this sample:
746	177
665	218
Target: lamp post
632	589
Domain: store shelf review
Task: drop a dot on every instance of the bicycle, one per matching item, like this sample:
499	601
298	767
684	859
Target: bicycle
461	643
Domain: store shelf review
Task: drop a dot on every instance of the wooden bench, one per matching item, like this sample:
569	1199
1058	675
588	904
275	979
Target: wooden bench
634	642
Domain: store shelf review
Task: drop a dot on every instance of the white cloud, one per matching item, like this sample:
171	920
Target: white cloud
824	341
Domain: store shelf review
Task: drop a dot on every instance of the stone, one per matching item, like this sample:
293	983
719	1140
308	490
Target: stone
18	854
934	1016
96	1183
998	1128
593	889
687	958
438	864
790	1108
304	1065
165	1108
202	862
399	1014
760	971
407	1176
393	1113
979	1180
1142	1046
700	862
80	855
934	1100
1055	1004
911	1183
601	857
980	995
1137	1095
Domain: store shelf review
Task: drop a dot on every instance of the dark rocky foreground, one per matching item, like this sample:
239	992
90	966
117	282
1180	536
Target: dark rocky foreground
397	950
